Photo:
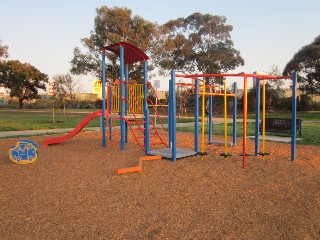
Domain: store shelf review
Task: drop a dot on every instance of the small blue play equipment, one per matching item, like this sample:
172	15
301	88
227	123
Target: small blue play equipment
24	152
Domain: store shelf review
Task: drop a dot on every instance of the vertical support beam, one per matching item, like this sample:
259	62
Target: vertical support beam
122	101
203	96
294	116
244	147
234	115
104	140
256	138
173	117
127	100
263	120
196	115
145	108
225	120
170	114
210	117
110	97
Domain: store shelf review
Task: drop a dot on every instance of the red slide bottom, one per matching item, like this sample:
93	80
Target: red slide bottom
75	131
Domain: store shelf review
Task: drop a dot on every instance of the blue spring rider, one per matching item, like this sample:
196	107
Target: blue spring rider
24	152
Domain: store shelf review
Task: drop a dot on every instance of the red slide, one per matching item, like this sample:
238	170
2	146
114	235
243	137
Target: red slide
75	131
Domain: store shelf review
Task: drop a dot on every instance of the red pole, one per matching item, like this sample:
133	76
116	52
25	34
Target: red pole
244	145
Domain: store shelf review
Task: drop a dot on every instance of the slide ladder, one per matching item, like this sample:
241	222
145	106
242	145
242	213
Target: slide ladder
136	124
137	127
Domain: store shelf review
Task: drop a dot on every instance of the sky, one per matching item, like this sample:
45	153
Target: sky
267	33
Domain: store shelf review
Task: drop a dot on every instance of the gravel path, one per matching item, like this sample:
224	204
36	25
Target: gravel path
71	192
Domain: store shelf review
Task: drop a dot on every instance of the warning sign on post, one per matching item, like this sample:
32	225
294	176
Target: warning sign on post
156	84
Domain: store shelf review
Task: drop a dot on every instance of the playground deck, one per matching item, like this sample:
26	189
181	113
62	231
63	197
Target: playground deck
72	192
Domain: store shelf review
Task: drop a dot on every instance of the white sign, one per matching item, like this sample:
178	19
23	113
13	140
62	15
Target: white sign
156	84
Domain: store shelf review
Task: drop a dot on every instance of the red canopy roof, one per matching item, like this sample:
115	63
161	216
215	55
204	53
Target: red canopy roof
131	53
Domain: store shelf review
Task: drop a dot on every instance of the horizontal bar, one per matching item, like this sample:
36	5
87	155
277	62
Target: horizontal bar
261	77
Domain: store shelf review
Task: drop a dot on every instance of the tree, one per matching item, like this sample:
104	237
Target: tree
307	62
68	85
275	92
199	43
58	98
3	50
112	25
22	79
278	84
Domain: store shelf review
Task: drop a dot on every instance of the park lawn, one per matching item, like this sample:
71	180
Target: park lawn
310	131
35	120
42	119
305	116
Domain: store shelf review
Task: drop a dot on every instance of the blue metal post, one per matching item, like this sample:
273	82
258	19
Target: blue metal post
196	115
256	138
294	116
173	117
122	95
145	107
104	140
210	118
147	132
127	100
234	115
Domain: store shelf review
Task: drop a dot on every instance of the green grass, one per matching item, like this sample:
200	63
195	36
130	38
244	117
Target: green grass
310	132
305	116
35	120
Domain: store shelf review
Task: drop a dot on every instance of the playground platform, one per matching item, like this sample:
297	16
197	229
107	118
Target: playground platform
276	138
167	153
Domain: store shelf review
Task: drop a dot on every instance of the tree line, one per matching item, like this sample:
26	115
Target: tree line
197	43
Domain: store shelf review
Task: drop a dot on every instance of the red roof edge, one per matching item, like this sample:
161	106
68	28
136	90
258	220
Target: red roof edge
132	53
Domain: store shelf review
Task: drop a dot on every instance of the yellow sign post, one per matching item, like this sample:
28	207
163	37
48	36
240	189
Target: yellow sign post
97	87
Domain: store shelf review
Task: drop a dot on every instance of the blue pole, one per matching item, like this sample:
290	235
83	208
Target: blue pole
256	138
294	116
210	118
127	100
196	115
104	140
234	119
173	120
147	132
122	95
145	107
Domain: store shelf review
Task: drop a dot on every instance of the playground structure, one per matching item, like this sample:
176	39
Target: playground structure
258	78
127	102
130	54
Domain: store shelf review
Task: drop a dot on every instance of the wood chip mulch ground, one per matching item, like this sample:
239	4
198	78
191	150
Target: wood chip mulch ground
72	192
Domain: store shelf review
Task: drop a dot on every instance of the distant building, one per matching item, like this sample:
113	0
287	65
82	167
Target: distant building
161	94
86	97
288	93
2	91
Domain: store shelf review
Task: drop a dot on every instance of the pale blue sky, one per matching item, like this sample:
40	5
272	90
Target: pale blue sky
266	33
